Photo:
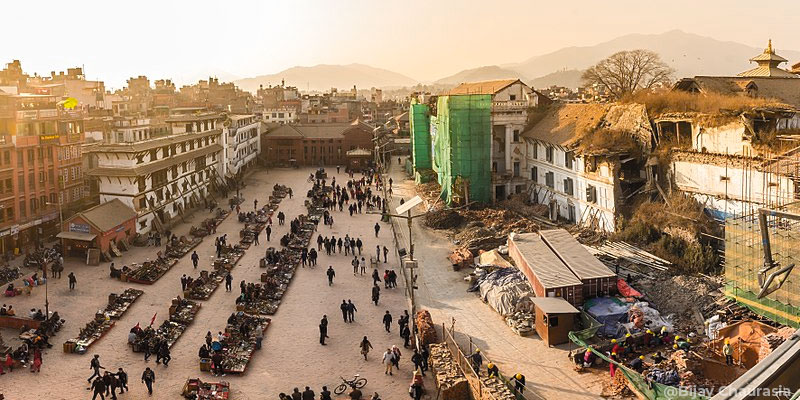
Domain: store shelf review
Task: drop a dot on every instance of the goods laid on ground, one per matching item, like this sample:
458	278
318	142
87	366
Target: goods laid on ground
183	311
195	389
103	321
148	272
427	332
202	287
450	380
181	246
241	341
8	274
209	225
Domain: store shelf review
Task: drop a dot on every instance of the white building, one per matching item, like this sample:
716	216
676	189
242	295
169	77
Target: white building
511	99
281	115
161	178
726	169
241	137
585	185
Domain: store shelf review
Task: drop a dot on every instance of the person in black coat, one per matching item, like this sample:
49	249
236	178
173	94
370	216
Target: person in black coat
387	321
376	293
345	310
122	380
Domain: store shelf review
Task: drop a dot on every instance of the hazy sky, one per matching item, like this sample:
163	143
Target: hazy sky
426	40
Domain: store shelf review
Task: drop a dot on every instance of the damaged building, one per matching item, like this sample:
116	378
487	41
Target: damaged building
471	138
586	160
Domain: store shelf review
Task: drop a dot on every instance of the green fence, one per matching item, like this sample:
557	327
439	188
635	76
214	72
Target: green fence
462	137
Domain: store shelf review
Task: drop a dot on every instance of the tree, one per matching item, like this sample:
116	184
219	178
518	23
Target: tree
628	71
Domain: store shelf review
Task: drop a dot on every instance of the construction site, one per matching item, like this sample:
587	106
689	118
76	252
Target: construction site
692	293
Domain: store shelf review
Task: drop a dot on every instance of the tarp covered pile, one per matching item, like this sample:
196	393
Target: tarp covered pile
619	317
503	289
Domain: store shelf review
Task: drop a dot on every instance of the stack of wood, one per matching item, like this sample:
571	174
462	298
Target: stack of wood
449	379
427	333
494	388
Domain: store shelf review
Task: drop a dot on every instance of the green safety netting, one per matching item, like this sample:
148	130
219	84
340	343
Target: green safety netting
420	136
591	326
461	133
648	390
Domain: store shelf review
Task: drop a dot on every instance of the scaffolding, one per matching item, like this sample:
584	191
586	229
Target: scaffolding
420	137
462	132
744	258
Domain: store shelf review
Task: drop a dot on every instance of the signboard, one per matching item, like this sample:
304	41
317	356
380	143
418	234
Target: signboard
83	228
120	228
49	138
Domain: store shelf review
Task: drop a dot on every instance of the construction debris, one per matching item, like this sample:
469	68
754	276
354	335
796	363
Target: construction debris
522	323
444	219
681	298
449	379
616	387
494	388
461	257
427	333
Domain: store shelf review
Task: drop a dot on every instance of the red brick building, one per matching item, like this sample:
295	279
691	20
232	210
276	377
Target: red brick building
315	145
99	227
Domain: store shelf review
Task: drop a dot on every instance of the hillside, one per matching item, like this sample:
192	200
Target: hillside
569	78
323	77
688	53
487	73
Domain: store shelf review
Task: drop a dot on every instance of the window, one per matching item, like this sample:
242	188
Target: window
160	178
73	171
53	198
51	175
50	153
569	186
516	135
9	185
516	169
34	205
512	97
494	166
20	181
30	156
569	157
553	321
19	158
591	194
6	157
142	205
43	201
535	174
10	213
41	176
550	180
549	154
31	180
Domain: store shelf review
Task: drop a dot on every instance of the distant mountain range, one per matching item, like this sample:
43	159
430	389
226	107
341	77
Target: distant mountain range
324	77
687	53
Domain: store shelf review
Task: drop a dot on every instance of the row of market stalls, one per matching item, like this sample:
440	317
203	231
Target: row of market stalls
103	230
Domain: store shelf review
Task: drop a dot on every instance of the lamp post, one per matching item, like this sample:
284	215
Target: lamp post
44	269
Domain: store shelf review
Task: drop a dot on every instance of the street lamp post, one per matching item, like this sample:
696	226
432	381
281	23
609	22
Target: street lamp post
44	269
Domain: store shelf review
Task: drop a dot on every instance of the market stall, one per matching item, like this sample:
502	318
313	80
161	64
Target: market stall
103	321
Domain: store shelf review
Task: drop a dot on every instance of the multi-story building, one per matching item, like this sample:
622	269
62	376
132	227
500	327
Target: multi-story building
41	167
242	141
281	115
584	184
73	83
160	178
315	144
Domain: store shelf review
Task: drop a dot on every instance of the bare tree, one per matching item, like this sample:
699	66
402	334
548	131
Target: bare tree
628	71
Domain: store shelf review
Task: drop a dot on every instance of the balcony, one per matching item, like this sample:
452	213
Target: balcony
509	105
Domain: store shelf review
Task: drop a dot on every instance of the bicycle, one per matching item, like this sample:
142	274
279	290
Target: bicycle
355	383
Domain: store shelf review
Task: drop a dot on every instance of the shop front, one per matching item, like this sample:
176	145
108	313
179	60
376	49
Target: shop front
102	227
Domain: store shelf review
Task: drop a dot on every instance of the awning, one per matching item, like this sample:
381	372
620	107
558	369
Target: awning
85	237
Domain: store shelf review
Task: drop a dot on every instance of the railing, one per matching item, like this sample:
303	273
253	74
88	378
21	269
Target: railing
510	104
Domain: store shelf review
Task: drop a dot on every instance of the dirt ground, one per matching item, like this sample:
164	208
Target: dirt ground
291	355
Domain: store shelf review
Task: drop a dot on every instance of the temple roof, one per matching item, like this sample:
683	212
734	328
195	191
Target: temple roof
768	63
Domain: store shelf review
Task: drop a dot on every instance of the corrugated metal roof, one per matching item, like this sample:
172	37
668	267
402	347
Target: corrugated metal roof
548	268
582	263
484	87
764	70
554	305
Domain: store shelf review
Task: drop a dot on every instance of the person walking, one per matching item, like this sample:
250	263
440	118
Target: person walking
378	253
396	358
405	333
345	310
183	283
122	379
228	282
164	354
387	321
331	274
148	378
195	259
727	350
365	347
255	239
323	331
351	311
94	365
477	360
359	244
388	361
36	366
319	242
99	387
377	229
416	359
72	281
355	265
385	254
376	293
375	277
268	230
363	265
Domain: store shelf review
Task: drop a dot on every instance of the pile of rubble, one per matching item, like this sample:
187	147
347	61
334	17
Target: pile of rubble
616	388
672	294
771	341
522	323
495	389
427	332
444	219
449	379
476	238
